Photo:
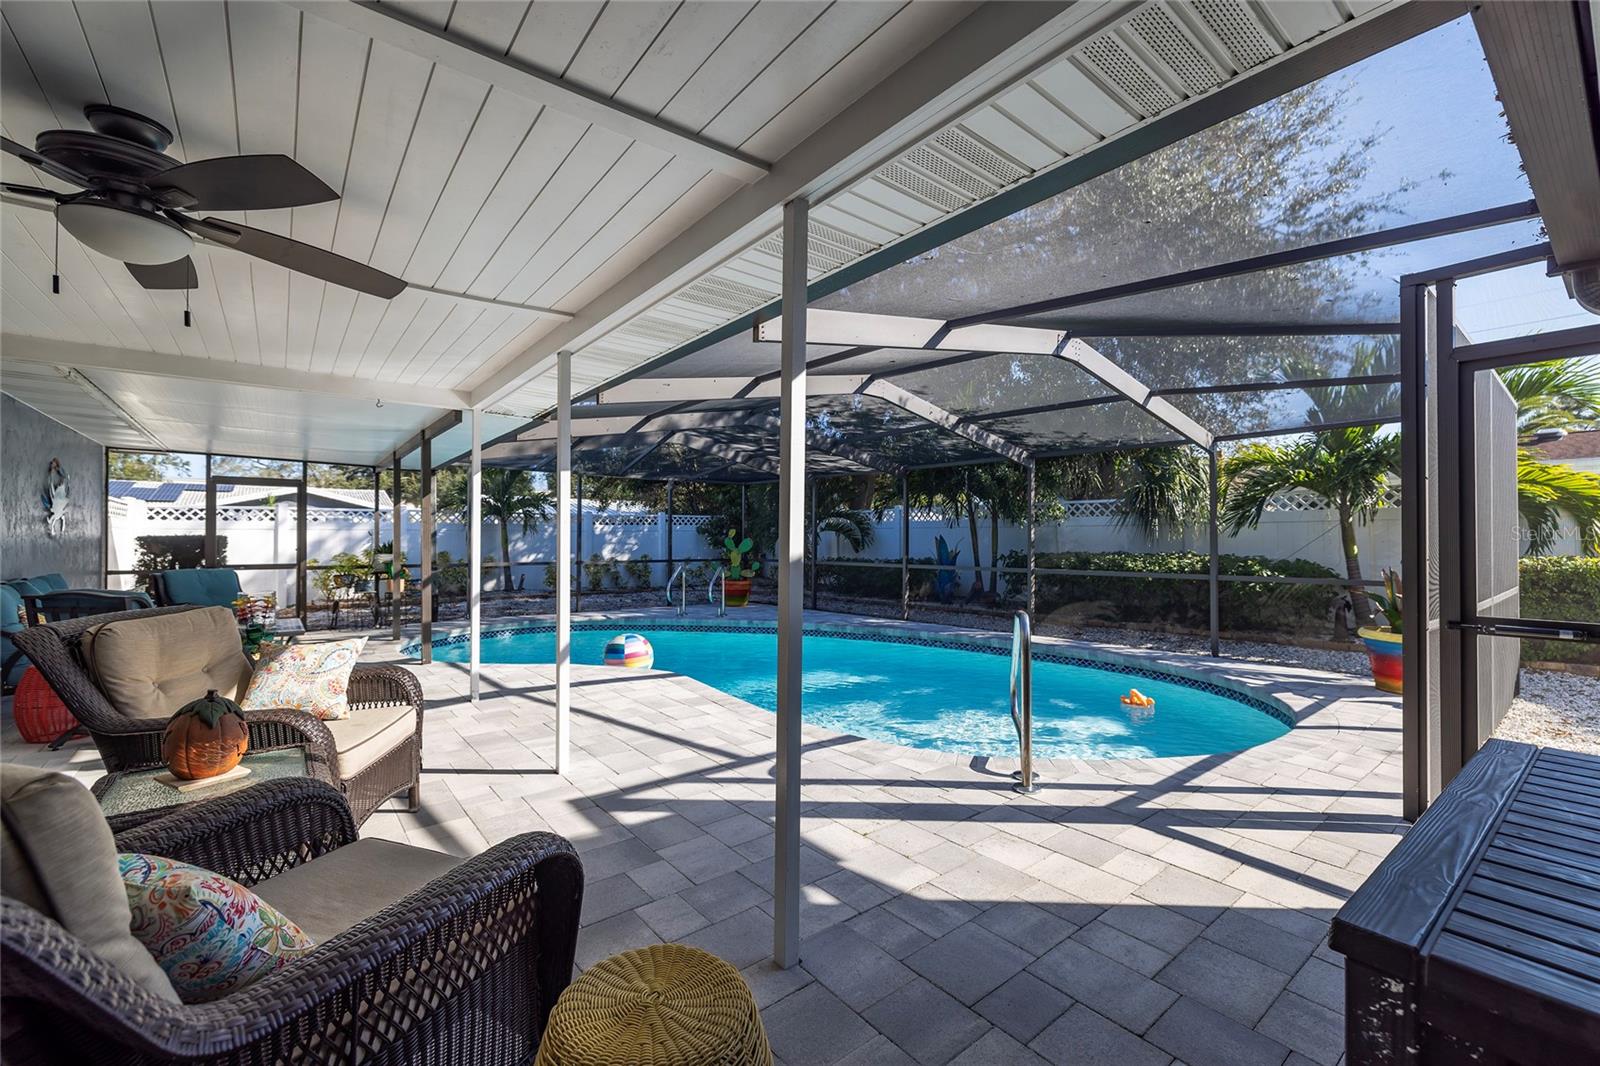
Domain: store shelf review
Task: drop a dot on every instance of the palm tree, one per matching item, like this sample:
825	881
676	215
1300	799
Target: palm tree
508	496
1349	468
1556	394
1546	492
1164	489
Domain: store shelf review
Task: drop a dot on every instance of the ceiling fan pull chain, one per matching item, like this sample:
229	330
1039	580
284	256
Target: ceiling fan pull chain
187	321
55	259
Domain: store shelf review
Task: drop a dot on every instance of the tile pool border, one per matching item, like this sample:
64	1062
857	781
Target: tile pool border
996	644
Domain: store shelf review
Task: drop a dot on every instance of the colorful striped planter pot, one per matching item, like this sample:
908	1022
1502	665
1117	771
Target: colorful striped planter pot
1384	651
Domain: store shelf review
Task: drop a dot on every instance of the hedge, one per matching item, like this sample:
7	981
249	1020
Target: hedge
1560	588
1245	605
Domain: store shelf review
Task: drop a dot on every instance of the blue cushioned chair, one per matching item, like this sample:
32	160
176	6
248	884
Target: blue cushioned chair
204	587
12	661
82	603
50	582
27	586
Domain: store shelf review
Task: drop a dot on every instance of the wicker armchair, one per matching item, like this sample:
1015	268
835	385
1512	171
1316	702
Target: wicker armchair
464	970
127	743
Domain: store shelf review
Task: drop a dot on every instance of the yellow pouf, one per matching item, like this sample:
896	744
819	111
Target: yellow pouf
664	1005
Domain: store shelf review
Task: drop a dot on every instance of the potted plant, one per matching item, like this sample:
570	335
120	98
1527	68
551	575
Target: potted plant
390	564
736	584
1384	643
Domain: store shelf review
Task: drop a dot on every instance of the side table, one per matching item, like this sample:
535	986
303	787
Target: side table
133	797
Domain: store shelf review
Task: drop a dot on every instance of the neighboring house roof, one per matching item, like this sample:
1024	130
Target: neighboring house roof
1581	444
193	494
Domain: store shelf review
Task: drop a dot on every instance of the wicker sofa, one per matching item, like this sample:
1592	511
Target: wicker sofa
435	960
374	754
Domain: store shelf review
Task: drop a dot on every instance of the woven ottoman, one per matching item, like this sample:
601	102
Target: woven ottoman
664	1005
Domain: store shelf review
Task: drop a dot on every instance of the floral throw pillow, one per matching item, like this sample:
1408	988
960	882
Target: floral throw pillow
210	934
306	677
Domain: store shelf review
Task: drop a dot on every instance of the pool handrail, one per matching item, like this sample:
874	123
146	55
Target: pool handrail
1022	700
681	576
718	583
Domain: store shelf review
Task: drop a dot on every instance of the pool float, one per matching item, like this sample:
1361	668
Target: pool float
1135	698
630	650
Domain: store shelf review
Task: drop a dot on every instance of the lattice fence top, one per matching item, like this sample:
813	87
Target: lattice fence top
1291	502
618	521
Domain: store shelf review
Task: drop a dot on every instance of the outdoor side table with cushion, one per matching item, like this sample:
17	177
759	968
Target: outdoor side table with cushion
1478	938
131	797
664	1005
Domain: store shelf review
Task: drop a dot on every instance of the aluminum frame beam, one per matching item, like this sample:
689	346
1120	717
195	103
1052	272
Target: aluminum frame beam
563	562
911	403
1114	377
901	331
475	559
791	591
384	23
1385	238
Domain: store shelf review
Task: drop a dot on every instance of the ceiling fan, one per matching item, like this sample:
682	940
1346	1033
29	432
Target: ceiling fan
135	200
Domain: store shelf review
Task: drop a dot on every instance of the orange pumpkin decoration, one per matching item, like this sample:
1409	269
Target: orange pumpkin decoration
205	738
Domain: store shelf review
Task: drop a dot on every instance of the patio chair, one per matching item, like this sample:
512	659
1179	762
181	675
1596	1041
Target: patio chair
169	655
12	660
420	957
201	587
82	603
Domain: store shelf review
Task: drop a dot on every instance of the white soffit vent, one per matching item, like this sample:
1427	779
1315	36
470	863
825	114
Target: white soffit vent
1154	58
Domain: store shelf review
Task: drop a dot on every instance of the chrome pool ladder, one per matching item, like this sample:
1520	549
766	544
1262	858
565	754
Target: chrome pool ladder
1022	700
717	590
681	576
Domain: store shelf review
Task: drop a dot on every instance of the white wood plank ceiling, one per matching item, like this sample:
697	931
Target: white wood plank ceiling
1154	57
447	180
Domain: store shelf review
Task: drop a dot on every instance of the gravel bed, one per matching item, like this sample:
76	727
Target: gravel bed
1555	710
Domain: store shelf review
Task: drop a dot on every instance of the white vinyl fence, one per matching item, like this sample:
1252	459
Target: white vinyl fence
1295	526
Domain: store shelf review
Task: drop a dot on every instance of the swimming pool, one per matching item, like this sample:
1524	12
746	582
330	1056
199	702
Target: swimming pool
929	692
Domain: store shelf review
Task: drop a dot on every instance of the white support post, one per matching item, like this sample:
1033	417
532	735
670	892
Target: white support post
791	587
563	559
475	556
429	547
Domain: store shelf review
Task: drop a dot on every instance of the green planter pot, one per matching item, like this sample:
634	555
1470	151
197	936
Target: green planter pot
1384	651
737	592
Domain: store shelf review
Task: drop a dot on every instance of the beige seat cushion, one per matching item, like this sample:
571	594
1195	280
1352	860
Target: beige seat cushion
370	733
329	895
150	667
57	856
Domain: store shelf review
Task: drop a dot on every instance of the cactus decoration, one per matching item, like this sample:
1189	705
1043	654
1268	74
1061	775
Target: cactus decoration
737	550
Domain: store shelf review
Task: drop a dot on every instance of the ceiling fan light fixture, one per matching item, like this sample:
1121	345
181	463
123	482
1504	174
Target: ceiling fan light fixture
125	233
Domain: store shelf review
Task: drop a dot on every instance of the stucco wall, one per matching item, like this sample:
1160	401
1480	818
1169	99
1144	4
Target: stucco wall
28	441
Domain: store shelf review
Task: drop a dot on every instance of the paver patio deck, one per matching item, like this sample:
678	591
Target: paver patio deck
1133	911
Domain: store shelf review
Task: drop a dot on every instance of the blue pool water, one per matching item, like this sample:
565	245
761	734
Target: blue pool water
947	698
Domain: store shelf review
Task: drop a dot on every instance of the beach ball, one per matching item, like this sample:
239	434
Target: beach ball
630	649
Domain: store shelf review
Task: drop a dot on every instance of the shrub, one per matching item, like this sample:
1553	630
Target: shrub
347	563
174	552
1560	588
1243	605
638	571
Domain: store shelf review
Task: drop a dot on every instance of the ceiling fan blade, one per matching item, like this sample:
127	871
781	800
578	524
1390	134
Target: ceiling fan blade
179	274
31	191
299	257
241	183
49	166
